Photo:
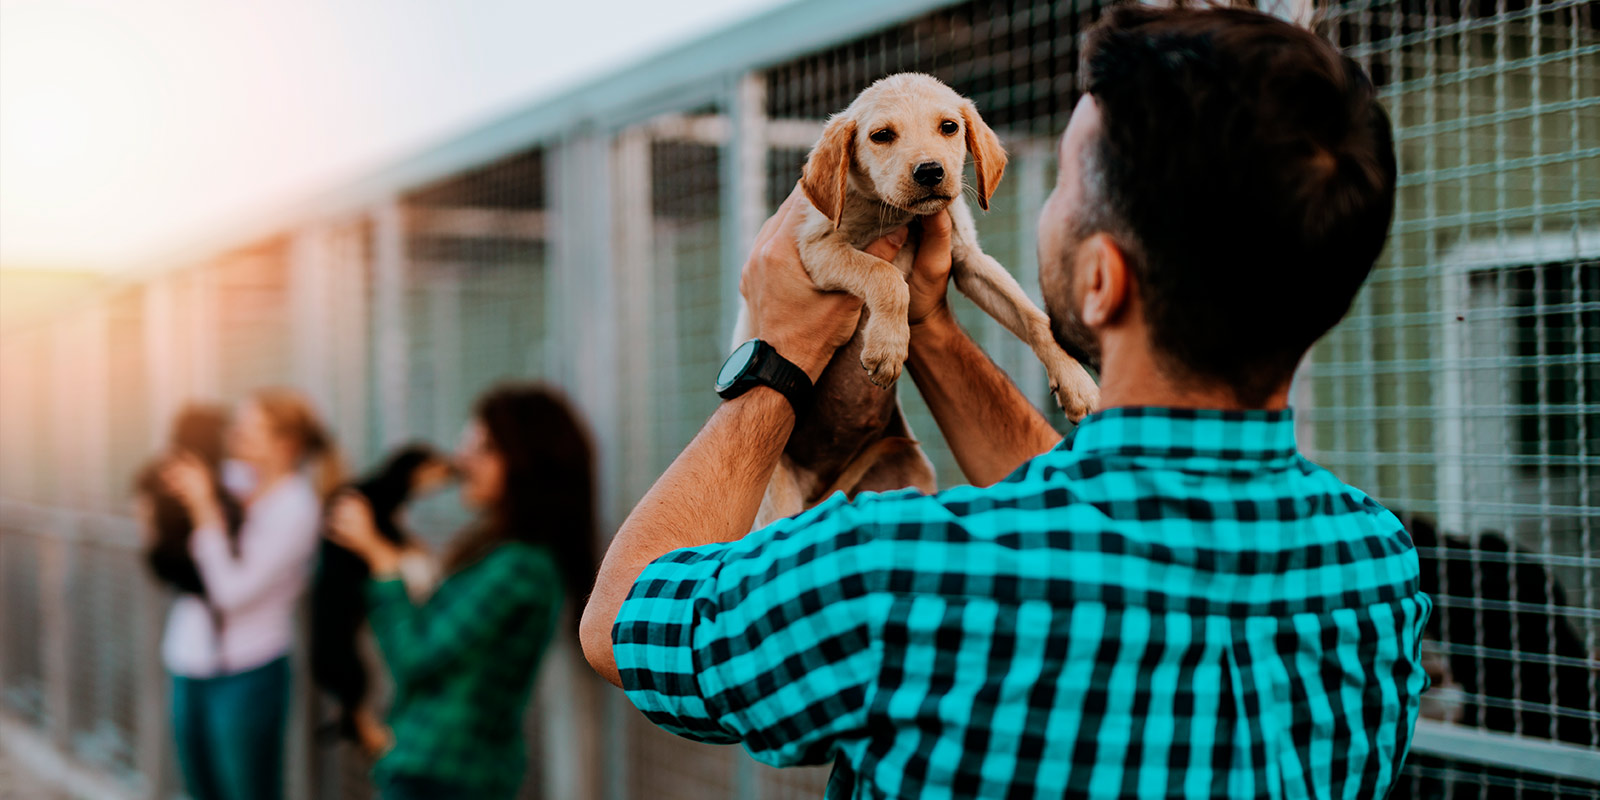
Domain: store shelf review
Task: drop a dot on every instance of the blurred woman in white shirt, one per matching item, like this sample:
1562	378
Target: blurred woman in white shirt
228	653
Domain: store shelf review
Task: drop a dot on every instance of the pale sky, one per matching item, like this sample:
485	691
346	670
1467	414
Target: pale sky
129	126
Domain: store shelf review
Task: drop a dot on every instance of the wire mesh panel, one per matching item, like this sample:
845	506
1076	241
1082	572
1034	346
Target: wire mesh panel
1464	387
42	444
21	598
349	247
128	396
105	582
686	236
474	311
24	425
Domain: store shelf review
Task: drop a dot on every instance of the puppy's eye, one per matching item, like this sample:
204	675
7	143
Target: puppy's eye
882	136
949	127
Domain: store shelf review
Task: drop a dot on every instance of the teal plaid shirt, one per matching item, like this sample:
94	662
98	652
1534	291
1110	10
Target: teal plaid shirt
1169	604
463	665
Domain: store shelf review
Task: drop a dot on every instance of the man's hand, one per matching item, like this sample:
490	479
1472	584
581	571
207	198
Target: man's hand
930	273
804	323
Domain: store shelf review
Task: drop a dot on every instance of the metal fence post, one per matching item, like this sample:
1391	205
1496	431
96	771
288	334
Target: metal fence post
153	749
351	326
744	207
310	309
388	321
205	354
744	184
637	350
583	345
57	557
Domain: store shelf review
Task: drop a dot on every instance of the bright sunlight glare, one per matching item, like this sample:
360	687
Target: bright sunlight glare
128	128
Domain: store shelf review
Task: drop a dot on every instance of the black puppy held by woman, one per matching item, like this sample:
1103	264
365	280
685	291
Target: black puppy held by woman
464	661
338	600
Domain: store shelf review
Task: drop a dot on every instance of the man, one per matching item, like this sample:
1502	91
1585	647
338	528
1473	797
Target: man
1172	602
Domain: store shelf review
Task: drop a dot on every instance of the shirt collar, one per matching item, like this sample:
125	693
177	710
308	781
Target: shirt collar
1186	433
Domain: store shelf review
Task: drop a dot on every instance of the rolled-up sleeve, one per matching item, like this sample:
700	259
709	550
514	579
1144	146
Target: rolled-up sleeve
765	641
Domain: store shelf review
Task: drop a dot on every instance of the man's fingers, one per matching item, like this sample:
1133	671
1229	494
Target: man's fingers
936	229
776	222
888	246
790	216
933	248
769	226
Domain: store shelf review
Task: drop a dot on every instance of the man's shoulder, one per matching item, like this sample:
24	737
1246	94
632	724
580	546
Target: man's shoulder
1367	514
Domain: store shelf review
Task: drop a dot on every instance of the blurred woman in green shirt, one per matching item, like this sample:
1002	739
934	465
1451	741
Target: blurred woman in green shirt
464	661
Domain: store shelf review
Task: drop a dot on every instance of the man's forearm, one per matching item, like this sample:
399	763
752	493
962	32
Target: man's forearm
991	428
711	493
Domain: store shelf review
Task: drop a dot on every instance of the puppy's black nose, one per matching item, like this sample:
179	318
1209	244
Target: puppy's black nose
928	173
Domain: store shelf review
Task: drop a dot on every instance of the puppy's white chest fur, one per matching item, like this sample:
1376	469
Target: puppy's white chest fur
864	221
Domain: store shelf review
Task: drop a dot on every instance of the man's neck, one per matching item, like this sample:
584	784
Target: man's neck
1132	377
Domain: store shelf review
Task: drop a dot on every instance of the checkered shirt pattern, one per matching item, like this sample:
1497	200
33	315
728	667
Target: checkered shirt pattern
1169	604
463	665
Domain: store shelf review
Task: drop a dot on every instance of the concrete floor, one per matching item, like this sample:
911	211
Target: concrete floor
30	769
18	783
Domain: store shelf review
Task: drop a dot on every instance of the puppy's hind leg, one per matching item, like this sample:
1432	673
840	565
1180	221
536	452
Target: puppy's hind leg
901	464
783	497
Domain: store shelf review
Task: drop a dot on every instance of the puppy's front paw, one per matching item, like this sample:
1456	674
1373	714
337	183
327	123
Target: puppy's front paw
883	352
1075	391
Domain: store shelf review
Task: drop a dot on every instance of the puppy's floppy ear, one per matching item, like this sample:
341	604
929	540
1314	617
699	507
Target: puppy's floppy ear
987	154
827	171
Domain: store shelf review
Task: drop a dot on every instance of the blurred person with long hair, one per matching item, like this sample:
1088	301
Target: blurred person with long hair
228	653
463	661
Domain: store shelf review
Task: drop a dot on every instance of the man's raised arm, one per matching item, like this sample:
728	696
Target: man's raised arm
712	491
991	428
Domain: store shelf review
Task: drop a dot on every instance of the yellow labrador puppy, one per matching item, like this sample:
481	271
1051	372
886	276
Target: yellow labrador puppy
894	154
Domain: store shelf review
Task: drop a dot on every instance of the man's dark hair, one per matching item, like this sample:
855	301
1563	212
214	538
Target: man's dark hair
1247	172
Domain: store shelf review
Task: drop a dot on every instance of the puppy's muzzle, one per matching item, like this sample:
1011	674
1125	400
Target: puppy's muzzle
928	173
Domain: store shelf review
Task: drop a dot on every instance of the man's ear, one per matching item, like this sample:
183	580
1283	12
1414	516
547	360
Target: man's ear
1107	285
987	154
827	171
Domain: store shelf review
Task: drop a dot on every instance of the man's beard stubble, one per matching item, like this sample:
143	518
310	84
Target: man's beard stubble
1066	324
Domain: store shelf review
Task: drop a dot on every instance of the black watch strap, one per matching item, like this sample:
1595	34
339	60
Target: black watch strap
782	374
767	367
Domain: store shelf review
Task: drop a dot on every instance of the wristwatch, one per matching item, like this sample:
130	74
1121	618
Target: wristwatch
756	363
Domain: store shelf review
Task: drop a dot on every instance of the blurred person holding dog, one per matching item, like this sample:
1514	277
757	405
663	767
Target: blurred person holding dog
464	660
1172	601
228	650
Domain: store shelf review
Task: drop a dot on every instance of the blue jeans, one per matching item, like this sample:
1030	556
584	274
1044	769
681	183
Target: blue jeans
230	732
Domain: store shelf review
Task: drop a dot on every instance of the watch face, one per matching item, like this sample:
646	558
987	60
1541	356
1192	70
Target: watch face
734	366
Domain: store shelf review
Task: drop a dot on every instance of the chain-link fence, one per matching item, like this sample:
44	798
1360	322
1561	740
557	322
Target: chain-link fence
594	241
